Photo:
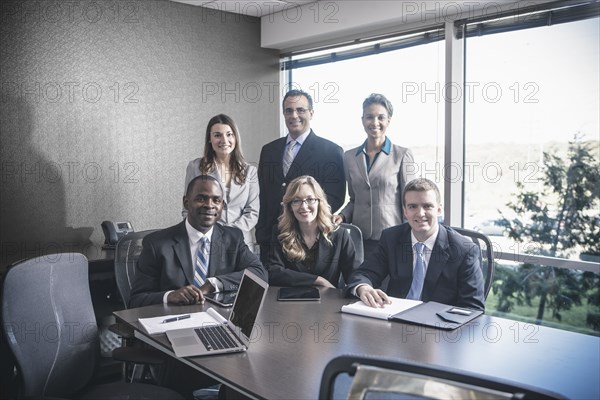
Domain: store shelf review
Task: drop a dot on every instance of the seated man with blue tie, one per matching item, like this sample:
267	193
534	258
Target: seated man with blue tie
166	273
424	260
180	264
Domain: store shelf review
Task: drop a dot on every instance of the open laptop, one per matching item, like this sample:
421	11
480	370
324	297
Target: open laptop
231	336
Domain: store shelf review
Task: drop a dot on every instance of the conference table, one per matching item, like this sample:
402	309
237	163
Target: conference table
293	342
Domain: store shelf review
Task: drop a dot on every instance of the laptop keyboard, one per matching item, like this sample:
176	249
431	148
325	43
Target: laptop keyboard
215	337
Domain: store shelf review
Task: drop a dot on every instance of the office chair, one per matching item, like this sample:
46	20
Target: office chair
143	360
357	239
133	354
50	326
487	262
370	377
127	253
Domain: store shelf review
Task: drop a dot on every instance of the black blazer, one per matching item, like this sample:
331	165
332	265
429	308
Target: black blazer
318	157
453	275
165	262
332	260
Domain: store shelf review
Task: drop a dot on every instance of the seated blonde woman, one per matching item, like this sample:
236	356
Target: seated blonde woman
307	247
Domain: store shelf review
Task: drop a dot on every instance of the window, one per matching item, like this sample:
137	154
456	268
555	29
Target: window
531	85
528	92
409	77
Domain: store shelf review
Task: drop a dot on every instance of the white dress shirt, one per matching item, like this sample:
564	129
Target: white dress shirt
194	237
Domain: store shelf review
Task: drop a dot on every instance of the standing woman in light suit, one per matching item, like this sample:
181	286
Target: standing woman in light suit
223	160
377	172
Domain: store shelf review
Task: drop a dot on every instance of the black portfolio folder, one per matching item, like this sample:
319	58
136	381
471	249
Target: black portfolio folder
437	315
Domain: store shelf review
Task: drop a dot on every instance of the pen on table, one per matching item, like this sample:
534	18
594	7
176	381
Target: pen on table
176	318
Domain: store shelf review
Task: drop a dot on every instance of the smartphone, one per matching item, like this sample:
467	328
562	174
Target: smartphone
223	299
300	293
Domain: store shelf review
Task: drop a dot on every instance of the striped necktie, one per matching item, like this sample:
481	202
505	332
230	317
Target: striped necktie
418	274
201	268
288	157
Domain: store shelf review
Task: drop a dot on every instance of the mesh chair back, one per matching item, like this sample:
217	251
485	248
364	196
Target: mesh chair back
373	377
127	253
357	239
49	323
486	255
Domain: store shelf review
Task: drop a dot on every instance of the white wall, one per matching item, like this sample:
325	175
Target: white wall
101	112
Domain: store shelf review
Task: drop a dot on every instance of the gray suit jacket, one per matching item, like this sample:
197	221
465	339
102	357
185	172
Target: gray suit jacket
453	275
165	262
376	196
243	202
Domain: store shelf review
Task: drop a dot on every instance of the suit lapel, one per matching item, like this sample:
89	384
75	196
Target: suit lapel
437	262
404	259
234	190
277	160
181	248
324	256
216	251
361	165
379	164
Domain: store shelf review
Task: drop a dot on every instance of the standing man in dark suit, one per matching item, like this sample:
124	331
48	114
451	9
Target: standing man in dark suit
165	271
448	263
301	152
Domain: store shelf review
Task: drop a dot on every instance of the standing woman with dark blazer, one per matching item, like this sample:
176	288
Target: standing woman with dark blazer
307	248
377	172
223	160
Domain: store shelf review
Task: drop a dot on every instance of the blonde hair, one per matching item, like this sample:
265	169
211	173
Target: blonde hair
290	236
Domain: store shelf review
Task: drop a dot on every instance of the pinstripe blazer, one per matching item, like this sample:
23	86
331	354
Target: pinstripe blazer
376	196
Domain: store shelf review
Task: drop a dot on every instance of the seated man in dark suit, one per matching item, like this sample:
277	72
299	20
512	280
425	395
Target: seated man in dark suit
447	269
166	274
165	271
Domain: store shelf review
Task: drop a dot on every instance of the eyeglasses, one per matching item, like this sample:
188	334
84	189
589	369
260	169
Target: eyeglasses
300	111
297	202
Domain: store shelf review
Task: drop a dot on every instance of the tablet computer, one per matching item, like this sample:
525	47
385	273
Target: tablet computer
223	299
300	293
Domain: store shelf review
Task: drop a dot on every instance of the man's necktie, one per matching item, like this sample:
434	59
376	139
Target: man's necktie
288	157
418	274
201	269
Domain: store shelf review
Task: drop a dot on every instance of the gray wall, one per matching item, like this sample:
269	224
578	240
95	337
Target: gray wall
104	103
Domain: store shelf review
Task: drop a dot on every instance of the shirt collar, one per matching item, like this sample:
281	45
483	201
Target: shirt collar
429	243
386	148
300	139
195	235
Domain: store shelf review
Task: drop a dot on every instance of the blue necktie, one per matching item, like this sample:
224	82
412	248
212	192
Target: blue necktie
418	274
201	268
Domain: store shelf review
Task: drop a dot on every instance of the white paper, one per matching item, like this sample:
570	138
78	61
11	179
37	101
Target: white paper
387	311
155	325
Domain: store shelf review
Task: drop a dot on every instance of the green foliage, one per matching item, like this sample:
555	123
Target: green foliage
569	224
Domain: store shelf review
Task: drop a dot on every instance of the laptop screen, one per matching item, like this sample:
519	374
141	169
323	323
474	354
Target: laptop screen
247	304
